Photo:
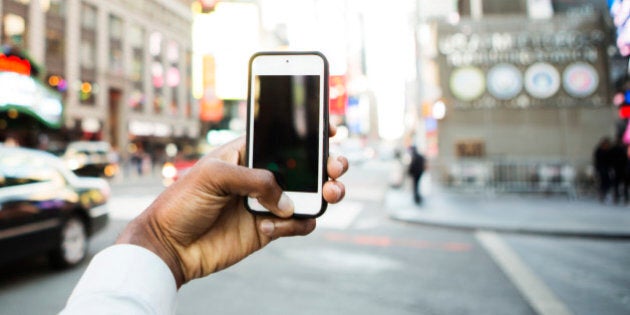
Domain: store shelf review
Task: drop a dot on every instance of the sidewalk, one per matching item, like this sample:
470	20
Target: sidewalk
537	214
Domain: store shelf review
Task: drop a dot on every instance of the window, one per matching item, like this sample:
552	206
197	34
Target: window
136	36
137	97
55	42
86	92
88	54
53	7
188	111
173	77
494	7
504	7
158	73
115	28
115	45
88	16
55	57
22	169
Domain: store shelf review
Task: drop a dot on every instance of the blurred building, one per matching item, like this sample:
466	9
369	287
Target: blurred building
525	91
123	66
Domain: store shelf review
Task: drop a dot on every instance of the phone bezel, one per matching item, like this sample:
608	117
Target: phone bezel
307	205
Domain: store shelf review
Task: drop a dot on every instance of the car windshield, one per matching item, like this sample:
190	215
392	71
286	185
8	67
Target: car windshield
18	168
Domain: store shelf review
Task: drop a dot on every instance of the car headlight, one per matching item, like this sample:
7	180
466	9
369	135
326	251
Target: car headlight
73	164
110	170
169	170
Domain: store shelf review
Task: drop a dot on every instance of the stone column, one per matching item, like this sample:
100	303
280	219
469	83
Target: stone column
37	36
72	61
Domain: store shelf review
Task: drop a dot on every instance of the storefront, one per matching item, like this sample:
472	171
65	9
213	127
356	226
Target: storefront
31	114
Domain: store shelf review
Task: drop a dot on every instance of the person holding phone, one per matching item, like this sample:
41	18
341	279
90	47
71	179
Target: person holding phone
196	227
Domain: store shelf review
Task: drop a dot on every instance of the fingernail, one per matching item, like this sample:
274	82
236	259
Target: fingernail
337	191
285	204
267	227
340	161
338	166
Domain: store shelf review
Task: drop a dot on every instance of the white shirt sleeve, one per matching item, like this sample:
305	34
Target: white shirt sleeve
124	279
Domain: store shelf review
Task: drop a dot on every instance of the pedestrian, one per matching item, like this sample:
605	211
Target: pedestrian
603	167
417	165
196	227
619	167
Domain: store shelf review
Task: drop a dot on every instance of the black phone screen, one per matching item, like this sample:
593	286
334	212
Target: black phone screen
286	129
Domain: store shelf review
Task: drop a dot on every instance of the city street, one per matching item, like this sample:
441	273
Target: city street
359	261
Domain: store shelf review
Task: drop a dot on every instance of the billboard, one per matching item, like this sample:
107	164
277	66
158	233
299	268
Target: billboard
515	62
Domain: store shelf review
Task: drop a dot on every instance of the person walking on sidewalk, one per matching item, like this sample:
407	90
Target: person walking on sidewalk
619	164
602	161
416	169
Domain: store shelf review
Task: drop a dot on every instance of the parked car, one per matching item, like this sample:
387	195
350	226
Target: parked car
91	158
179	166
46	208
183	161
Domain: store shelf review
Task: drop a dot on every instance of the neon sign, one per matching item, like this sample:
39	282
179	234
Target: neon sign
15	64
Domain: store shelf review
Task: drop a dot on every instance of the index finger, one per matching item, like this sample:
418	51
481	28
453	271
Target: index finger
230	179
227	151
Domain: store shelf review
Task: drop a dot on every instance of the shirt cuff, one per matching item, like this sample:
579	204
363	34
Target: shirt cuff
129	272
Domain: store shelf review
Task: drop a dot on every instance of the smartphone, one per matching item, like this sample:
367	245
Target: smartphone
287	126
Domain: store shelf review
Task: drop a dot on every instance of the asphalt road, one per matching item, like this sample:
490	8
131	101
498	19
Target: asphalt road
360	262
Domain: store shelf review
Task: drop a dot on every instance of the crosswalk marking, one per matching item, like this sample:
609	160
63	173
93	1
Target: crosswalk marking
128	207
340	216
533	289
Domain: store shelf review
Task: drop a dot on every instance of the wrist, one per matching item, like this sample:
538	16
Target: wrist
141	233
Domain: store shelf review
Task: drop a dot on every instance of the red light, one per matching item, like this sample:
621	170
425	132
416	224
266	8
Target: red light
15	64
624	112
338	95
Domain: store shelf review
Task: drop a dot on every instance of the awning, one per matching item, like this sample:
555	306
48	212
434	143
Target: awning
31	97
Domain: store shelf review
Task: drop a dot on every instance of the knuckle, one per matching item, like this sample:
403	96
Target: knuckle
266	180
209	162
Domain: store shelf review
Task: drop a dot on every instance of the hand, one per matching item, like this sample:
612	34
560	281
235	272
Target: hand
199	225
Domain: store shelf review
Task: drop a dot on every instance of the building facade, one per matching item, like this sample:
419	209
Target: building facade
527	91
123	66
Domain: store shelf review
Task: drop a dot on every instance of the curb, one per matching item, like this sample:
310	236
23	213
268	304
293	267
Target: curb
512	230
399	207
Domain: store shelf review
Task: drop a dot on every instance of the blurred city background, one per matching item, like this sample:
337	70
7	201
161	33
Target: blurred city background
506	100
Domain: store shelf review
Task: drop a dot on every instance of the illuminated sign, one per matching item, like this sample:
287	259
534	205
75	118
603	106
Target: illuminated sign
27	95
467	83
561	61
338	95
15	64
542	80
505	81
580	79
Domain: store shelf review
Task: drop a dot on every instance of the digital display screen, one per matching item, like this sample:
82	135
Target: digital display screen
286	129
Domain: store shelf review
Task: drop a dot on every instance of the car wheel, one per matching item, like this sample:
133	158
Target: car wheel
72	248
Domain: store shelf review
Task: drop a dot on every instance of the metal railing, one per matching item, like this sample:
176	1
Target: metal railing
528	176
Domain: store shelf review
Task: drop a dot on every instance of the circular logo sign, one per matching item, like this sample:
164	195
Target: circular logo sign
467	83
580	79
504	81
542	80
